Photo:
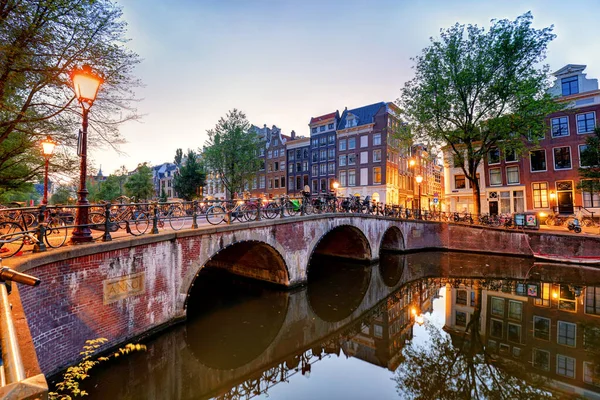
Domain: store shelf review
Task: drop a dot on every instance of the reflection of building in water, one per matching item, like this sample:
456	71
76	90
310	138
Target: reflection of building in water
381	338
548	326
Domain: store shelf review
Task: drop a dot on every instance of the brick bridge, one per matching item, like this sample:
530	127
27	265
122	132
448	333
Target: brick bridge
126	288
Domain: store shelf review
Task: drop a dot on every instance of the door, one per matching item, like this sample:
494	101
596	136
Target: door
493	207
565	202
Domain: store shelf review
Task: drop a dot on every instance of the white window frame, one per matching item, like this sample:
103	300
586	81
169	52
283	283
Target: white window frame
377	135
554	160
533	351
499	156
518	182
552	127
579	151
558	333
549	325
574	366
344	143
576	122
364	141
364	157
531	165
377	152
495	169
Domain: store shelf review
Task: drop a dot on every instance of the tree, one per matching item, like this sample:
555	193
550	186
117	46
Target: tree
163	196
62	195
110	189
476	90
139	184
178	157
190	176
42	42
231	151
590	157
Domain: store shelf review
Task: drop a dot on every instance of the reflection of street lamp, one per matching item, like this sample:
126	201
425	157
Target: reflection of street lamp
86	84
419	179
48	146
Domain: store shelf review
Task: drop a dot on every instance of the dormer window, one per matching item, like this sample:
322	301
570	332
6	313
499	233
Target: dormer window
351	121
570	85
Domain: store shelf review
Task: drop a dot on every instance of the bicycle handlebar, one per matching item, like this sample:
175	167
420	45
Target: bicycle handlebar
9	274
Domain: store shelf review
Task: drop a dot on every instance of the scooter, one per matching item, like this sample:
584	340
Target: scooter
574	225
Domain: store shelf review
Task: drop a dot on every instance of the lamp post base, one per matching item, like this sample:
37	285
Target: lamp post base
81	237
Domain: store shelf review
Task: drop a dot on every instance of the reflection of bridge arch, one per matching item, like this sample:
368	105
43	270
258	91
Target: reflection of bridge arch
391	268
392	240
345	241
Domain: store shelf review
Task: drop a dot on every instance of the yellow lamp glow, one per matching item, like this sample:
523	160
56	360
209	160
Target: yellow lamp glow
552	195
413	311
48	146
555	295
419	320
412	162
336	185
86	84
419	179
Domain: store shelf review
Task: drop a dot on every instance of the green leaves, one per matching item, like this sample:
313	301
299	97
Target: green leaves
191	175
590	159
139	184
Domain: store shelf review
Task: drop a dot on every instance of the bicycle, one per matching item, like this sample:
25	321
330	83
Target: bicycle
174	214
217	212
122	217
13	237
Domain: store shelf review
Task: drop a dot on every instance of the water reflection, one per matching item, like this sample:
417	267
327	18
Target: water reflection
507	329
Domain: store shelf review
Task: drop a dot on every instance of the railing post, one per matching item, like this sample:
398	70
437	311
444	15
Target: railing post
259	211
302	207
154	230
40	246
281	208
106	236
195	214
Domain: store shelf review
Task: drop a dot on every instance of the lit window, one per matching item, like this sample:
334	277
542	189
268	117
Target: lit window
540	194
495	177
376	175
512	175
459	182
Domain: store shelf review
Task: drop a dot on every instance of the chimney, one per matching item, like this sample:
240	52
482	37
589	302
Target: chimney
293	135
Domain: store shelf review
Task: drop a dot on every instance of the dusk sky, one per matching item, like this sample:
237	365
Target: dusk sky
282	62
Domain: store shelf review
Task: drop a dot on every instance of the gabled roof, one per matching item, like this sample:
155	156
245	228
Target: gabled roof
325	117
569	69
364	115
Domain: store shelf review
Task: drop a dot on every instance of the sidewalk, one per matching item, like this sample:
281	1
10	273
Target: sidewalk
594	230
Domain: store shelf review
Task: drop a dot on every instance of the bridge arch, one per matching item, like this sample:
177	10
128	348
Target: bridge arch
344	241
393	240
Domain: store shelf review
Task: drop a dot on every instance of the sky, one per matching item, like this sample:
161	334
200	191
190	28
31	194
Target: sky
282	62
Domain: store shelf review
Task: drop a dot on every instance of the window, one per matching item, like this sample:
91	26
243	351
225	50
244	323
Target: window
496	328
497	306
315	170
515	310
291	155
283	182
331	139
582	149
322	141
592	199
315	142
330	126
331	153
376	175
343	160
560	126
331	168
567	333
364	176
315	186
565	366
494	156
541	359
291	185
473	300
562	157
459	182
591	373
514	333
586	122
537	159
322	128
342	144
261	152
544	301
570	85
276	183
275	153
376	155
592	300
290	168
261	182
305	153
323	169
510	155
298	166
323	155
282	166
364	141
314	130
541	328
512	175
461	297
540	194
315	156
351	177
495	177
352	159
304	166
269	154
351	143
276	168
518	201
460	318
377	139
364	157
378	331
343	178
270	183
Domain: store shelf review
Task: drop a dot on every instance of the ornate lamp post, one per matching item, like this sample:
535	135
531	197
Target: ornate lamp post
86	84
336	185
552	199
419	179
48	146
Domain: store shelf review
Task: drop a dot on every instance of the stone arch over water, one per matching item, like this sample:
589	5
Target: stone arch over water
345	241
393	240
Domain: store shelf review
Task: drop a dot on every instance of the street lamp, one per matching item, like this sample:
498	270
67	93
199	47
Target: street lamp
552	198
336	185
48	146
86	84
419	179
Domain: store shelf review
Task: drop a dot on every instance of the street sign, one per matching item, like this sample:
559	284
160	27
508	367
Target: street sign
435	200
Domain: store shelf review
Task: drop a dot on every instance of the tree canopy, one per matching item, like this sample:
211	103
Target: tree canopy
41	42
590	161
231	151
190	176
475	90
139	184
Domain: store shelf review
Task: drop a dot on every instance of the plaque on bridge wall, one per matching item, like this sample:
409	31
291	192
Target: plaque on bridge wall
123	287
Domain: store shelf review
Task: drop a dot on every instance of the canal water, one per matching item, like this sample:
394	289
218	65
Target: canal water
423	325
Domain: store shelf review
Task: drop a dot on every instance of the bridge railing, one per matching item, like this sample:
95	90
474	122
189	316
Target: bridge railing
37	228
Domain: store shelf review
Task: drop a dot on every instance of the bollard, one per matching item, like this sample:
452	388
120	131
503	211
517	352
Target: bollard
281	208
106	236
195	214
40	246
154	230
259	212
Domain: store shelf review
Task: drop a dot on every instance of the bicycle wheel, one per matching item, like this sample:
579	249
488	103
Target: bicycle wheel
96	225
11	238
588	222
250	212
56	233
289	209
215	215
308	208
176	218
139	224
